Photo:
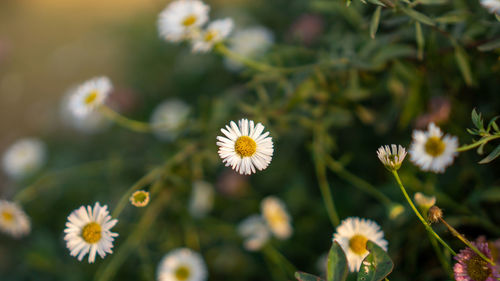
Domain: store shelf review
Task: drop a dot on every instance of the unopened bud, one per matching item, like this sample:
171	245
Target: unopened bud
434	214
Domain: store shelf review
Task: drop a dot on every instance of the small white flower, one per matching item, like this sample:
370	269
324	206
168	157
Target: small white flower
181	19
90	95
168	117
255	232
88	231
431	151
88	123
24	157
424	201
216	31
391	157
251	42
276	216
352	235
245	147
493	6
202	199
182	264
13	220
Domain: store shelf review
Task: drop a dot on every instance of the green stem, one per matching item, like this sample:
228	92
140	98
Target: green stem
424	222
280	260
442	259
133	125
478	143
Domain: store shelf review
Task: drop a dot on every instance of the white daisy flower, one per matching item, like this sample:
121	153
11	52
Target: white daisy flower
255	232
251	42
352	235
168	117
24	157
493	6
87	124
13	220
432	151
182	264
276	216
202	199
181	19
245	147
88	231
391	157
90	95
216	31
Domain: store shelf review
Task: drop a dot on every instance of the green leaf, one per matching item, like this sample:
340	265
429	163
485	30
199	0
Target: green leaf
433	2
302	276
418	16
377	2
493	124
420	40
376	266
477	120
492	156
375	21
490	46
463	65
337	264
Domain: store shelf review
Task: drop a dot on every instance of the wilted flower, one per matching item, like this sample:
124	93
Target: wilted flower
90	95
216	31
245	147
13	220
493	6
251	42
202	199
255	232
276	216
88	231
434	214
471	267
431	151
140	198
424	201
24	157
182	264
181	18
352	235
168	117
391	157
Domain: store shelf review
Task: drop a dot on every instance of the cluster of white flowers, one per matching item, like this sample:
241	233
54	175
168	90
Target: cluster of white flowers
274	219
184	20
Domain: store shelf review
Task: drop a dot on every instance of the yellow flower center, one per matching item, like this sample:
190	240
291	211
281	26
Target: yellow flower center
477	268
245	146
139	197
91	97
189	20
358	244
8	216
434	146
182	273
276	217
91	233
210	35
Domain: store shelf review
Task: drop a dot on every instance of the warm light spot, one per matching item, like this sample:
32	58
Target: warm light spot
477	268
189	20
182	273
91	233
245	146
7	216
210	35
434	146
276	217
358	244
91	97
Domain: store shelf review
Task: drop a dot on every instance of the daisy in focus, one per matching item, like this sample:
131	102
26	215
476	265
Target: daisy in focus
471	267
168	117
255	232
13	220
90	95
245	147
216	31
88	232
182	264
352	235
181	19
202	199
493	6
432	151
392	157
276	217
24	157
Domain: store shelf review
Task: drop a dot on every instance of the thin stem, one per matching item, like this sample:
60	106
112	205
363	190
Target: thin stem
478	143
280	260
128	123
445	263
424	222
356	181
466	242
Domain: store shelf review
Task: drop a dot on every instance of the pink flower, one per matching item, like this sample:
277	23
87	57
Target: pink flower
471	267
